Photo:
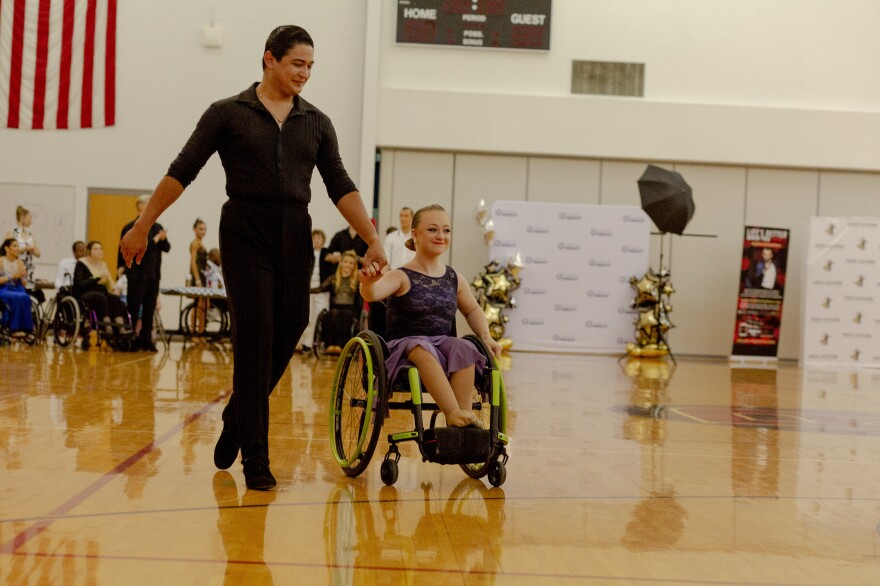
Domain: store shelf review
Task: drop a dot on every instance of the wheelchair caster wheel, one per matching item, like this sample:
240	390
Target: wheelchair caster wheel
388	472
497	473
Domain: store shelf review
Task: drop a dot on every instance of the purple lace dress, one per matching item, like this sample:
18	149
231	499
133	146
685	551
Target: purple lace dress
424	317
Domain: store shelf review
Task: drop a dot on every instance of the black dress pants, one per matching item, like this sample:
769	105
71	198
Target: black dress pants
142	295
267	265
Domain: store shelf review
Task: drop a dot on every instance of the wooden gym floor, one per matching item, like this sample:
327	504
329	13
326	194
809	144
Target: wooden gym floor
620	473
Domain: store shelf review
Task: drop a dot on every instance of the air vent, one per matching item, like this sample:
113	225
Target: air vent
608	78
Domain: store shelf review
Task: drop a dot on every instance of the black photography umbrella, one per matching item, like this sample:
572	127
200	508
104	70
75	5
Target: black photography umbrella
666	198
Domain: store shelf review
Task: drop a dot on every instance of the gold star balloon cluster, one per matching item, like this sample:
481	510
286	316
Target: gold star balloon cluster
652	324
494	288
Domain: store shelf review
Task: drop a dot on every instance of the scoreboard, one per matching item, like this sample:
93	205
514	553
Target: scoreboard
501	24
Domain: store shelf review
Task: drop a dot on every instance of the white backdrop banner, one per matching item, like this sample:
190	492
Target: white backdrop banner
577	261
841	318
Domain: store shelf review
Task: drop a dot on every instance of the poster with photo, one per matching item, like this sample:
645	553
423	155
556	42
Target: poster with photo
761	291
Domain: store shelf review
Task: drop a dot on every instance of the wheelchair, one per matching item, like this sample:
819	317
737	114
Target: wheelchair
67	319
363	397
319	340
215	320
6	335
74	319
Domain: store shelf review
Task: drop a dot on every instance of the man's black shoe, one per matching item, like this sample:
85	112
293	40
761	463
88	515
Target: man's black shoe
226	451
257	475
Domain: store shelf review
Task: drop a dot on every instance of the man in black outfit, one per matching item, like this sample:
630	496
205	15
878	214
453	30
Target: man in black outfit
143	279
346	239
269	140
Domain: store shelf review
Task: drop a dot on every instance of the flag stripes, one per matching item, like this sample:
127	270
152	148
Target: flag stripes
57	63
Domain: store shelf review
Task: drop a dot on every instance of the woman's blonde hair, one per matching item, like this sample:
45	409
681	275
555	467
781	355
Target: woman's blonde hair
21	212
354	278
417	219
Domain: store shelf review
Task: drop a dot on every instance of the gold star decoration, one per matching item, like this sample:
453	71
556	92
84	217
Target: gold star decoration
647	321
492	313
498	284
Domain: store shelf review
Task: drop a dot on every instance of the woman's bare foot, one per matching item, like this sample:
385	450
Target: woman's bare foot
463	418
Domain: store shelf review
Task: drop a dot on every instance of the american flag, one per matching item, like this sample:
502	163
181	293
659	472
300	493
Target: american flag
57	63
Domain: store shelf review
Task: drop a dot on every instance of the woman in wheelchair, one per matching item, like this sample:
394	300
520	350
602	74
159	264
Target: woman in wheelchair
423	296
15	302
93	286
345	303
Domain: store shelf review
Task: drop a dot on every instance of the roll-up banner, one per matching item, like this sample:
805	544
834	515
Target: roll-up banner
761	290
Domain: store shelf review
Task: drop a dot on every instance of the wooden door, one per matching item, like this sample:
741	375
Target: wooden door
108	213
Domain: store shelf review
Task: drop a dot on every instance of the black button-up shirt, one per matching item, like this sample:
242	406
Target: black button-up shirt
265	163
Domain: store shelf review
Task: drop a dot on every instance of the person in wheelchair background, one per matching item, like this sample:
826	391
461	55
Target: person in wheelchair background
345	303
15	301
422	297
93	286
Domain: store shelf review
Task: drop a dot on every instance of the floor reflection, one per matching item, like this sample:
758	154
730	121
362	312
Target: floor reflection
754	432
657	521
360	532
241	522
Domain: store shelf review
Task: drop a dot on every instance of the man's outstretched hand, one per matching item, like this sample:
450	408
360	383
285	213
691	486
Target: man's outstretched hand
133	245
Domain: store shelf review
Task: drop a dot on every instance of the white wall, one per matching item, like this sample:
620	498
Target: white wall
705	264
750	99
784	83
165	80
769	109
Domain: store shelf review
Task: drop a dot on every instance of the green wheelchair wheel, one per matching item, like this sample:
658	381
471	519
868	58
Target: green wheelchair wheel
357	403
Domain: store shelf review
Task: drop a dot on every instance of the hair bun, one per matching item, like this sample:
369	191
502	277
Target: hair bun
410	244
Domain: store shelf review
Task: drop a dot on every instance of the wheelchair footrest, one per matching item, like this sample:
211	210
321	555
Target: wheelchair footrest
457	445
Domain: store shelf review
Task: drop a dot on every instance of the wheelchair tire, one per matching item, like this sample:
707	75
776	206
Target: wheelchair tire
38	316
215	322
66	324
497	473
388	472
317	339
487	413
357	403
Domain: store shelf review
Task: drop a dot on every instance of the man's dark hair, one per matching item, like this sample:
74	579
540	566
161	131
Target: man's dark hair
283	39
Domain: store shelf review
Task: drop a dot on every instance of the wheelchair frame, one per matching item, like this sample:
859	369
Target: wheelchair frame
362	391
6	336
318	343
72	318
217	322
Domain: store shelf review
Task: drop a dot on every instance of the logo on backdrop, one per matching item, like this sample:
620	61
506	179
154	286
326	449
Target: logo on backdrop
572	263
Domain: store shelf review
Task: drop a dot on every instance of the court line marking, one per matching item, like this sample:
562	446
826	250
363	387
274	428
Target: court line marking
60	511
417	570
437	500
